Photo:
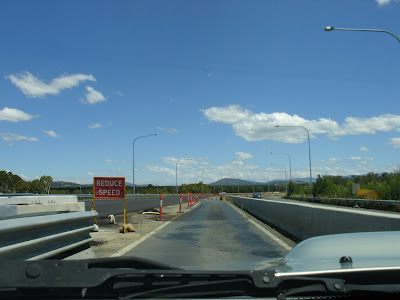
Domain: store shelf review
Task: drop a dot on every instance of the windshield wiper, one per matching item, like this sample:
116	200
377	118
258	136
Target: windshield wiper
129	278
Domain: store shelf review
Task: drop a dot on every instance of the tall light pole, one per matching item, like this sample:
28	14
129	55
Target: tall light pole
290	162
176	171
133	164
284	167
331	28
221	179
309	148
202	180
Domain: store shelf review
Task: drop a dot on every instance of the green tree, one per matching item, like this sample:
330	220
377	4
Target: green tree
46	182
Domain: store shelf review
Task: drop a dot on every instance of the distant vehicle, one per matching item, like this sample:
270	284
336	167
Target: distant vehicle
257	195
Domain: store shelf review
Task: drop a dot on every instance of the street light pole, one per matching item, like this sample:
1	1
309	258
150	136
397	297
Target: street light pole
331	28
176	172
202	180
133	164
309	148
290	162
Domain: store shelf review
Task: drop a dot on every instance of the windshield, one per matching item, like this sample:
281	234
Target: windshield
203	135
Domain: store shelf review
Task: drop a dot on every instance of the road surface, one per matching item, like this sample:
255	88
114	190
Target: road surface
214	236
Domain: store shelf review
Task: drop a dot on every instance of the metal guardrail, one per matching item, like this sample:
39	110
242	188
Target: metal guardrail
57	235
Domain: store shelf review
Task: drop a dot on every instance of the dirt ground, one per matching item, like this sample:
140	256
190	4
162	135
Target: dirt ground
108	240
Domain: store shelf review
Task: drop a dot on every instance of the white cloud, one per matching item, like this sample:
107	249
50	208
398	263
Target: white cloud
243	156
230	114
255	127
10	138
33	87
90	174
331	161
95	125
118	93
183	161
14	115
363	148
99	125
168	130
93	96
157	169
51	133
385	2
360	158
395	142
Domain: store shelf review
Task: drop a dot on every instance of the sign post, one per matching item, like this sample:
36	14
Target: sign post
111	188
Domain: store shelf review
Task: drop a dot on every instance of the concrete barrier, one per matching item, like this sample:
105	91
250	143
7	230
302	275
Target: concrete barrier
304	220
23	205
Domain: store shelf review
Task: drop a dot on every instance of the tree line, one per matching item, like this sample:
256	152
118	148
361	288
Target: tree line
388	184
12	183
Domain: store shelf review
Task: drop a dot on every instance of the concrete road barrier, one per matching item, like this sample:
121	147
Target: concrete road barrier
304	220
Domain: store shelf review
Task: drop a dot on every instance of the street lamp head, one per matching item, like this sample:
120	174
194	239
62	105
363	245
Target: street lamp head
329	28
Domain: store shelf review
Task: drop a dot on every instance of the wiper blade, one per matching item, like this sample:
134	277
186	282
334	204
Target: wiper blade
128	278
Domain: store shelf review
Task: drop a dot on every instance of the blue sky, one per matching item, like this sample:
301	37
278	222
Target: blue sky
80	80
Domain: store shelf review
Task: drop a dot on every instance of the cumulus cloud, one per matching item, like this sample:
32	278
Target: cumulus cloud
168	130
14	115
93	96
385	2
395	142
157	169
261	126
364	149
51	133
33	87
243	156
10	138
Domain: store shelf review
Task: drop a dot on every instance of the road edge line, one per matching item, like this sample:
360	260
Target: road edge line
129	247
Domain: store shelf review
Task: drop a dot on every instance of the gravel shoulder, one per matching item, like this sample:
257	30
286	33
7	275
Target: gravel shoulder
108	240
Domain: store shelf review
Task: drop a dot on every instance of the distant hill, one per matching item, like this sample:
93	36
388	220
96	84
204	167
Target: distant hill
241	182
66	184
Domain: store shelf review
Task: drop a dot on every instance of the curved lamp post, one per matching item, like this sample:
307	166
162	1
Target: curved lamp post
331	28
133	169
309	148
290	162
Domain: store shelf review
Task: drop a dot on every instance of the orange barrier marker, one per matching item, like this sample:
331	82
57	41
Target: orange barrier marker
160	206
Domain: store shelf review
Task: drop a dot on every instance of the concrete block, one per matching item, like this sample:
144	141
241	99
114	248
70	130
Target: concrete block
39	199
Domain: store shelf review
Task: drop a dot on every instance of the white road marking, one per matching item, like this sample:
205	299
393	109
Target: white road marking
129	247
142	239
272	236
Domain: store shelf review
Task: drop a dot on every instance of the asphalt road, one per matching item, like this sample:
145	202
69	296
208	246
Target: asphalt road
214	236
116	207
